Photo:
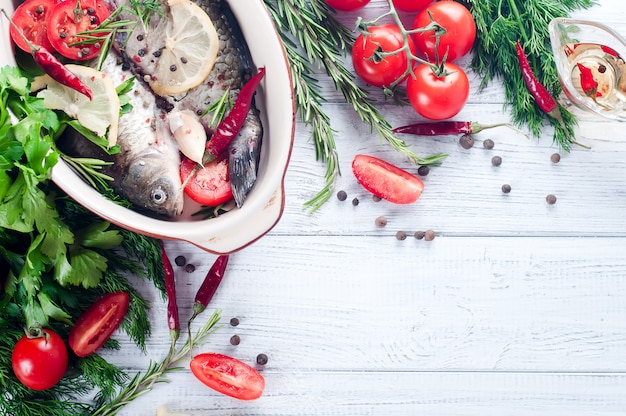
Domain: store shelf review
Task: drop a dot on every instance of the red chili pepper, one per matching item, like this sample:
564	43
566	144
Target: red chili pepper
208	288
52	66
173	321
587	81
609	50
442	128
231	124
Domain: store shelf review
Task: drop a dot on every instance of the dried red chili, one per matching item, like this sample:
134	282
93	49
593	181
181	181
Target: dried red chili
443	128
587	81
228	128
173	321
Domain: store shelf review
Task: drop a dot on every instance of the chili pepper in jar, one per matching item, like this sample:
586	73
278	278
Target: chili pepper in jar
587	81
52	66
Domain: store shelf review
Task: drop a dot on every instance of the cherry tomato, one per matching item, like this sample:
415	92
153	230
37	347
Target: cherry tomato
98	322
228	375
438	97
71	17
374	68
39	362
209	186
346	5
458	23
386	181
31	18
411	5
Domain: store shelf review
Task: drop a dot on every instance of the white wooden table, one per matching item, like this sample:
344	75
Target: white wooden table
516	308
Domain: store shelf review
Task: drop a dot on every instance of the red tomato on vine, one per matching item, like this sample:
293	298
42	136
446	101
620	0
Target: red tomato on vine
411	6
39	360
346	5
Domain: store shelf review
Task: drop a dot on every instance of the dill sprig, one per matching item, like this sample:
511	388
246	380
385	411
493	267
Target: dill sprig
323	42
156	372
500	23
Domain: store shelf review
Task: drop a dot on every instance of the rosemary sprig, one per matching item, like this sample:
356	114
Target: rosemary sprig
499	24
90	170
310	25
156	372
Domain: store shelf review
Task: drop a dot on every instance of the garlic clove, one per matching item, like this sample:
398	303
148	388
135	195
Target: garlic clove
189	133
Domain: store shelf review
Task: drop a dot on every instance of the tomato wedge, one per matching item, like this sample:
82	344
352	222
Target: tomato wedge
71	17
31	18
228	375
386	181
209	186
98	322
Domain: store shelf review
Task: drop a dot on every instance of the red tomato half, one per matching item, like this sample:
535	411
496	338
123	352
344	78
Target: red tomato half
411	5
374	68
387	181
71	17
209	186
31	18
460	30
98	322
346	5
438	97
228	375
39	363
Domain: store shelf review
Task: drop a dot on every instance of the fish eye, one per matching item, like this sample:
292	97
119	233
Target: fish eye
158	195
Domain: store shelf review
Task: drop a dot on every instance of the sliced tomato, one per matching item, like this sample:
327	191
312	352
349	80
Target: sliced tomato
387	181
209	186
71	17
228	375
31	18
98	322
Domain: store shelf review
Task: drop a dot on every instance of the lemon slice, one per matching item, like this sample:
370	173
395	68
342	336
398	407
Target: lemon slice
191	48
98	115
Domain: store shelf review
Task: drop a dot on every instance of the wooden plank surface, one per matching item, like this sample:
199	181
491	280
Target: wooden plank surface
516	308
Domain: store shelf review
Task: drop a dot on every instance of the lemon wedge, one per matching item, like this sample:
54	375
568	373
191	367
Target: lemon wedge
98	115
191	48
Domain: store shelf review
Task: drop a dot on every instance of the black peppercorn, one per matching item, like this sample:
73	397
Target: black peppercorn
190	268
488	144
376	198
555	158
496	161
180	260
235	340
355	202
342	196
401	235
551	199
419	235
381	221
506	188
423	170
234	321
466	141
261	359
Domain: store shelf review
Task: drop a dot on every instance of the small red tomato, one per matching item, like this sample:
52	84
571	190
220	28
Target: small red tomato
228	375
387	181
377	57
98	322
438	97
411	6
346	5
67	19
31	18
209	186
460	28
40	361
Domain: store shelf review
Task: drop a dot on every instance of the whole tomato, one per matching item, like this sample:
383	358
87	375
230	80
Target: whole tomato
377	57
346	5
39	359
458	23
438	96
411	6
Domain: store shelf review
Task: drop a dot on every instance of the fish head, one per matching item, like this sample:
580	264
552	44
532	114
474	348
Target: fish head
152	185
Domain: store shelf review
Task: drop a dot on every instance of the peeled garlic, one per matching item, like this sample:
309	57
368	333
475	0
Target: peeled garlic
189	133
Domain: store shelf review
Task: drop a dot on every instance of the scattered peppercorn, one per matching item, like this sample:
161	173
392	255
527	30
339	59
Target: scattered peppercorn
551	199
180	260
423	170
381	221
190	268
376	198
488	144
342	195
555	158
401	235
261	359
506	188
173	68
429	235
234	321
602	69
235	340
355	201
183	60
419	234
466	141
496	161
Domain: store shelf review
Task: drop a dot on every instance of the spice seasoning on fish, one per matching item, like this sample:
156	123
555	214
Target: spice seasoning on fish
52	66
